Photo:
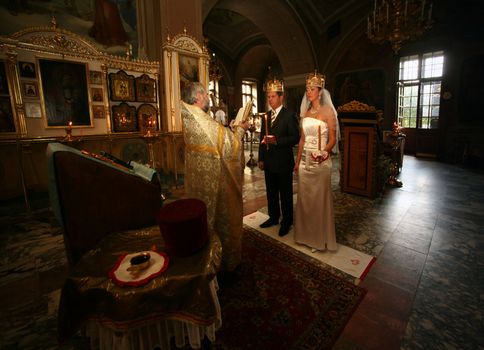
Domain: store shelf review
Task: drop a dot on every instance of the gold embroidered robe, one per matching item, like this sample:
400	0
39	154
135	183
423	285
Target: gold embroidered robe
214	174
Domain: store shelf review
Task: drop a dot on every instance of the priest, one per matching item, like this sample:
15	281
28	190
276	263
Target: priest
214	169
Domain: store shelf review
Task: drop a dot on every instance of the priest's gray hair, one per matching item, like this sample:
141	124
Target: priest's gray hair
190	91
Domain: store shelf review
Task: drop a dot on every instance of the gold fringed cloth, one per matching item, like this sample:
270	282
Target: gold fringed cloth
182	292
213	173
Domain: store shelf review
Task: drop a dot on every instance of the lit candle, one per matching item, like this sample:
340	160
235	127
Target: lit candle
319	137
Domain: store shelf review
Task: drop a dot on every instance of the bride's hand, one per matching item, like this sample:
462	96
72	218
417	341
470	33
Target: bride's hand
319	158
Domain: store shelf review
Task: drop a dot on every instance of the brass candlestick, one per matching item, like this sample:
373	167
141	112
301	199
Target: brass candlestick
252	162
68	136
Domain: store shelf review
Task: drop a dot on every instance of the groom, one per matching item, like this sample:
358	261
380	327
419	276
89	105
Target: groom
281	132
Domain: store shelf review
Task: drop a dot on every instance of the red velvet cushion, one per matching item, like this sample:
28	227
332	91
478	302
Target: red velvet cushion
183	226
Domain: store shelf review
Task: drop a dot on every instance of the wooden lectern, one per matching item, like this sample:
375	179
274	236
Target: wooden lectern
360	126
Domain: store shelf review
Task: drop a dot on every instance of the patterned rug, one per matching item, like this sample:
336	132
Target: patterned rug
281	299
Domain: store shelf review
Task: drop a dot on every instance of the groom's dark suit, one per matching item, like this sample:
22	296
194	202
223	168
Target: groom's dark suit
279	164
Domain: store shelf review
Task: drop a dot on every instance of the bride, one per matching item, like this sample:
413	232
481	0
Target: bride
314	225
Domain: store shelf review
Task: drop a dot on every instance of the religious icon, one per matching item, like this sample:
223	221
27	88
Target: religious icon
122	86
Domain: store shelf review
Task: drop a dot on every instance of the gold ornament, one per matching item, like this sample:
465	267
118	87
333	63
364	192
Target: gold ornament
315	80
274	85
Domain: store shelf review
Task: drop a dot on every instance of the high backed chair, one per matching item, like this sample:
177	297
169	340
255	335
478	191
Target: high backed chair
92	198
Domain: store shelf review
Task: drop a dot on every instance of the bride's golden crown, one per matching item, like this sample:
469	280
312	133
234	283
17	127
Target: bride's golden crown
274	85
315	80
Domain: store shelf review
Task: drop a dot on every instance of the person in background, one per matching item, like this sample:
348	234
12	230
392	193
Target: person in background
220	117
213	170
279	134
314	208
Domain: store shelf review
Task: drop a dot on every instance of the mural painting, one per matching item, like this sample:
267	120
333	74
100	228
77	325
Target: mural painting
108	24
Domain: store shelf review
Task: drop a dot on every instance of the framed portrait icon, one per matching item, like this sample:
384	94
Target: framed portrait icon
64	88
32	110
124	118
147	118
95	77
30	89
98	111
184	60
145	89
121	86
97	94
27	69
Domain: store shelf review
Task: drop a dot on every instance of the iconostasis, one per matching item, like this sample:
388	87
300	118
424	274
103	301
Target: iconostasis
52	79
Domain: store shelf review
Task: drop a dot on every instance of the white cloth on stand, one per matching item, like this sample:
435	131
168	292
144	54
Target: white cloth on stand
156	333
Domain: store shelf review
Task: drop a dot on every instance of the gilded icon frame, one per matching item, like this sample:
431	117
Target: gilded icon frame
33	110
124	118
121	86
145	89
98	112
30	89
64	83
147	118
95	77
181	47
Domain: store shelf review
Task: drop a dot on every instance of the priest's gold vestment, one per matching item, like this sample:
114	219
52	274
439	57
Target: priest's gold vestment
214	174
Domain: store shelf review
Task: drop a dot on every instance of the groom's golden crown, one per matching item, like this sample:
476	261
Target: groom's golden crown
315	80
274	85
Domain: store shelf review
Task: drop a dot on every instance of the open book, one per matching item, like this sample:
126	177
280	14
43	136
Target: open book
243	113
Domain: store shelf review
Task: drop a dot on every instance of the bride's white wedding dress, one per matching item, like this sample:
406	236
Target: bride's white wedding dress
314	221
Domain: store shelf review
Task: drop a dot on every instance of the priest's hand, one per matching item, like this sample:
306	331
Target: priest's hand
244	125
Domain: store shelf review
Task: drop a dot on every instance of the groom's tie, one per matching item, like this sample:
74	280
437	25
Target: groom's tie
273	116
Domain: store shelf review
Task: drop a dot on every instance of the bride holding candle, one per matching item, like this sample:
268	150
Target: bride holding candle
314	225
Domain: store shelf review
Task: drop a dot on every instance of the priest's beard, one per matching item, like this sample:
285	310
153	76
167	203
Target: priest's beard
206	105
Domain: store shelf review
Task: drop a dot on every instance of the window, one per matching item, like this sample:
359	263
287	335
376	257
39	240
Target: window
213	90
249	92
419	86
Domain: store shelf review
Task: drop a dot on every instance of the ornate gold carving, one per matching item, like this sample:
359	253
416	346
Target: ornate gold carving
67	43
185	42
59	42
356	106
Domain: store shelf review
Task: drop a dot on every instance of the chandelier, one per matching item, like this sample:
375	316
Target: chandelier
214	70
397	21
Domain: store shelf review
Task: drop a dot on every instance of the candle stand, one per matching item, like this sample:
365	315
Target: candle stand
68	136
252	162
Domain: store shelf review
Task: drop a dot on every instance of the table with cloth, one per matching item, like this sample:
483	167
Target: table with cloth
181	302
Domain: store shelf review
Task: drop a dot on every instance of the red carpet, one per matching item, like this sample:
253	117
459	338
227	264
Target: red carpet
278	299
